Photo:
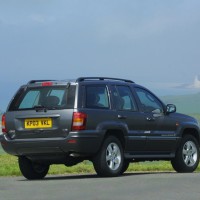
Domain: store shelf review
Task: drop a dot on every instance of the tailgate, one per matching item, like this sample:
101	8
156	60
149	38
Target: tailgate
30	124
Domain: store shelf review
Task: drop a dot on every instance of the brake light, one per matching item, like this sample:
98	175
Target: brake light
79	121
47	84
3	124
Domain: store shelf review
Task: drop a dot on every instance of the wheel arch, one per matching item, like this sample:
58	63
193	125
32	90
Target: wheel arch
118	130
118	133
193	132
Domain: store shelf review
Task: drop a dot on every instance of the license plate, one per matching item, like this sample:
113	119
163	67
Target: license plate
38	123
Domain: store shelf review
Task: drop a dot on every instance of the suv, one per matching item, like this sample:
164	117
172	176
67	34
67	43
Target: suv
108	121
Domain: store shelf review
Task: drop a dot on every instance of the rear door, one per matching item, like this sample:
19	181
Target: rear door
41	112
97	106
127	113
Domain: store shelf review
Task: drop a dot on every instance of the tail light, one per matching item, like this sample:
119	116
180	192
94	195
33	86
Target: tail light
79	121
3	124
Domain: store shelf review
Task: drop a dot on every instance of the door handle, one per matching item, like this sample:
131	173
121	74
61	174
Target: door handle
121	117
150	119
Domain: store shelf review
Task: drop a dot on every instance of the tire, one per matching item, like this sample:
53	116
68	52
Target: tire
125	166
110	159
32	171
187	156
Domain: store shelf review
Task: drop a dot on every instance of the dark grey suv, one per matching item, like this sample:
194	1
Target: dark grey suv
108	121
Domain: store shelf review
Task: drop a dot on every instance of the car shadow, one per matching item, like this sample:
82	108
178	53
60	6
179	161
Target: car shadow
94	176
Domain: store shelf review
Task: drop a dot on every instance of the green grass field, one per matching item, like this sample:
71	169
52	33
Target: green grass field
1	151
9	167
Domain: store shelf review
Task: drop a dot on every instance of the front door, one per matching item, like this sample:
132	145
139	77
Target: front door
161	128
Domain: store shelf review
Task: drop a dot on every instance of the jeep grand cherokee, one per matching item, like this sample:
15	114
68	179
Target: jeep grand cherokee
108	121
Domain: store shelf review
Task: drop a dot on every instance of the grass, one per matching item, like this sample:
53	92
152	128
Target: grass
1	150
9	167
197	116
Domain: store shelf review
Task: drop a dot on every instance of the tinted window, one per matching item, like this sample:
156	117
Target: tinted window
30	99
148	101
97	97
124	99
55	97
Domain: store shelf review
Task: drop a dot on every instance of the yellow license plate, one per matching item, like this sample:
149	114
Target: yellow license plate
38	123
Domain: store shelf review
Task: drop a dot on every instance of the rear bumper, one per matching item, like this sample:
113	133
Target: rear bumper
81	143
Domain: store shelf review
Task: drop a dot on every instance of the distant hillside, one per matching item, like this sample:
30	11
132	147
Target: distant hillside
188	104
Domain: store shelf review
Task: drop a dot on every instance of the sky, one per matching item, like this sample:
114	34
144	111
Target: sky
155	43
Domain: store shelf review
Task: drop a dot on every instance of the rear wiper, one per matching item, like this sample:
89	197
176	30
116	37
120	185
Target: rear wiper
39	108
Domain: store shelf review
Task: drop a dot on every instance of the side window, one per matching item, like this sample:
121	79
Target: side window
148	101
97	97
124	99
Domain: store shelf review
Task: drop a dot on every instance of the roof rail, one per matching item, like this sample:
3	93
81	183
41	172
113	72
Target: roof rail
38	81
102	78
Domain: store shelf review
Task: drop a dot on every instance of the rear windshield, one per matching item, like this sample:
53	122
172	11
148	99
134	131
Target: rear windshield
51	98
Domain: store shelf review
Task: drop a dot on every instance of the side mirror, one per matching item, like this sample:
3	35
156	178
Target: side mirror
170	108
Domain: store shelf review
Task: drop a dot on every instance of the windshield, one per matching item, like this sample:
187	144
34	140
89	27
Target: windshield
54	97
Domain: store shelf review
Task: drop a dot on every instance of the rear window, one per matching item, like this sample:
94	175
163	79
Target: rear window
54	97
